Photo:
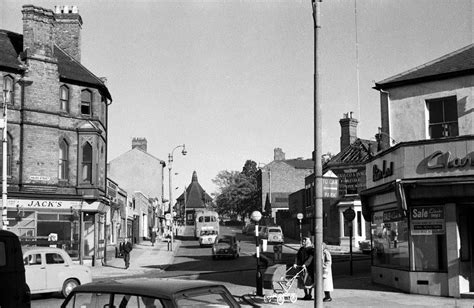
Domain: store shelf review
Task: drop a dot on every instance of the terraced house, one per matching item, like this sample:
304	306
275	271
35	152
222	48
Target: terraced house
57	134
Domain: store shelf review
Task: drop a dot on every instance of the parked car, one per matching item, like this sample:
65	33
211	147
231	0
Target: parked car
149	293
225	246
365	246
14	291
51	269
273	234
248	229
207	237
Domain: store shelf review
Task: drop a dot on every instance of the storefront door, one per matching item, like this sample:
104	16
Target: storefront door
466	230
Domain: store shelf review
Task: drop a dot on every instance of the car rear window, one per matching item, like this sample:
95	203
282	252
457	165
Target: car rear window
84	299
274	230
214	299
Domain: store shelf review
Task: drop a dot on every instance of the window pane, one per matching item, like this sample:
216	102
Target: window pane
3	255
436	131
436	112
429	252
54	258
86	96
390	240
450	109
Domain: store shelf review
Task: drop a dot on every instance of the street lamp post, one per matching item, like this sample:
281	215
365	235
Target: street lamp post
6	99
318	170
256	216
300	217
170	161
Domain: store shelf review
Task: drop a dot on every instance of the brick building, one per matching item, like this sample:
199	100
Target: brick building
281	177
57	133
141	175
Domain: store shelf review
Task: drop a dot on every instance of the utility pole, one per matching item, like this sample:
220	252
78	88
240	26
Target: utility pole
318	171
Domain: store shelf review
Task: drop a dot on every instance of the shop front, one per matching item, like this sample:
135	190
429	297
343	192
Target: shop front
58	223
419	199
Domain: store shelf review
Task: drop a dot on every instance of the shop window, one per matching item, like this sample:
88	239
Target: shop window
390	239
9	156
443	117
64	98
86	102
429	252
87	163
63	160
8	90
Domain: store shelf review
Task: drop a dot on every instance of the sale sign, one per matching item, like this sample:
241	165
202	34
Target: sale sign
427	220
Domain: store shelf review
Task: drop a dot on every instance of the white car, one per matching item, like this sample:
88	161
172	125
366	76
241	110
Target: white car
207	237
273	234
51	269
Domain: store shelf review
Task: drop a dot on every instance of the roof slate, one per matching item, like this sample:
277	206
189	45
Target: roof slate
457	63
358	152
300	163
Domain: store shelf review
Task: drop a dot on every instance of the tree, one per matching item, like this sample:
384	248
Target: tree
237	191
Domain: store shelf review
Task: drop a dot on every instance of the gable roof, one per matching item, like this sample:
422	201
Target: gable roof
299	163
11	49
131	152
196	196
358	152
457	63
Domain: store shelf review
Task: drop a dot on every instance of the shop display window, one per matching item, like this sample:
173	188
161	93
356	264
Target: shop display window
390	240
429	252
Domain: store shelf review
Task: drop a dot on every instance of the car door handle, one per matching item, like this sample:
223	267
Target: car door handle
43	267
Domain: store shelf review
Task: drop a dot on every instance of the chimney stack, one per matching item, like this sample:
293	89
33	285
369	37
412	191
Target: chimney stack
278	154
38	31
348	130
68	30
139	143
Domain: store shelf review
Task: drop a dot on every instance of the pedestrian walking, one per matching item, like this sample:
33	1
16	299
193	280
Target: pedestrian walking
153	236
328	286
127	248
305	258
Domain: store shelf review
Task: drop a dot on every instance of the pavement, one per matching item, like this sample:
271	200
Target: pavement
350	291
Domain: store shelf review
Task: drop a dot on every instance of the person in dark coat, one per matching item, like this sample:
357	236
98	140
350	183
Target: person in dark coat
153	236
127	248
305	258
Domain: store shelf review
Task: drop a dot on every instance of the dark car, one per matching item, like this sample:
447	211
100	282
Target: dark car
150	293
225	246
14	291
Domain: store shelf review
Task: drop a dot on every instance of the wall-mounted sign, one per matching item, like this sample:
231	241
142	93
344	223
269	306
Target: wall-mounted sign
444	160
39	178
380	173
427	220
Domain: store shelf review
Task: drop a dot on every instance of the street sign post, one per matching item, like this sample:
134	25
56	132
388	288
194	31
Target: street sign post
349	215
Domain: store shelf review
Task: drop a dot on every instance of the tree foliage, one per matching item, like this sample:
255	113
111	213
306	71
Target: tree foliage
237	193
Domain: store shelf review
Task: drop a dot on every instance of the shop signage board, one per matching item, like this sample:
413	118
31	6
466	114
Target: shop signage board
330	185
427	220
422	159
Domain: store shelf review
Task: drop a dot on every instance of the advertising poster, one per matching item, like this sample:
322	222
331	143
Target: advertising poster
427	220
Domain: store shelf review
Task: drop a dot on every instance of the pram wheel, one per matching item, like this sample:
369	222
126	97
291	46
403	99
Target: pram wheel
293	297
266	299
280	299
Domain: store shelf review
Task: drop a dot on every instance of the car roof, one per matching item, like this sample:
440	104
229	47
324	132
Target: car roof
41	249
159	287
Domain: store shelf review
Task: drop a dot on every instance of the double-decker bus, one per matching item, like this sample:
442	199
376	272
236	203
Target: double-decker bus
205	218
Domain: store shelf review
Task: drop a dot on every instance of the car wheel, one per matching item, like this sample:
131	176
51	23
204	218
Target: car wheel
68	285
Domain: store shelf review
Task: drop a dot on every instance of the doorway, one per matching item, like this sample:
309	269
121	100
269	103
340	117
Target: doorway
466	232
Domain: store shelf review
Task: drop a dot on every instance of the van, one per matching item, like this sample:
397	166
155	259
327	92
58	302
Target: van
14	291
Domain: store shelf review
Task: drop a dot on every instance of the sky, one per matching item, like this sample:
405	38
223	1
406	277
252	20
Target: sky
233	79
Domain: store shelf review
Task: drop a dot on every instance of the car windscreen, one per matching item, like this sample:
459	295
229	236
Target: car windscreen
274	230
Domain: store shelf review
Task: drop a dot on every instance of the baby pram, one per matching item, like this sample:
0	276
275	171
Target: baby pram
282	286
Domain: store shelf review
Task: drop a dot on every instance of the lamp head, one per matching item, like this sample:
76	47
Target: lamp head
184	152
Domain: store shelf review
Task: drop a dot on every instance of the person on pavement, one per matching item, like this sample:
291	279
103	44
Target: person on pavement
127	248
327	274
153	236
305	258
